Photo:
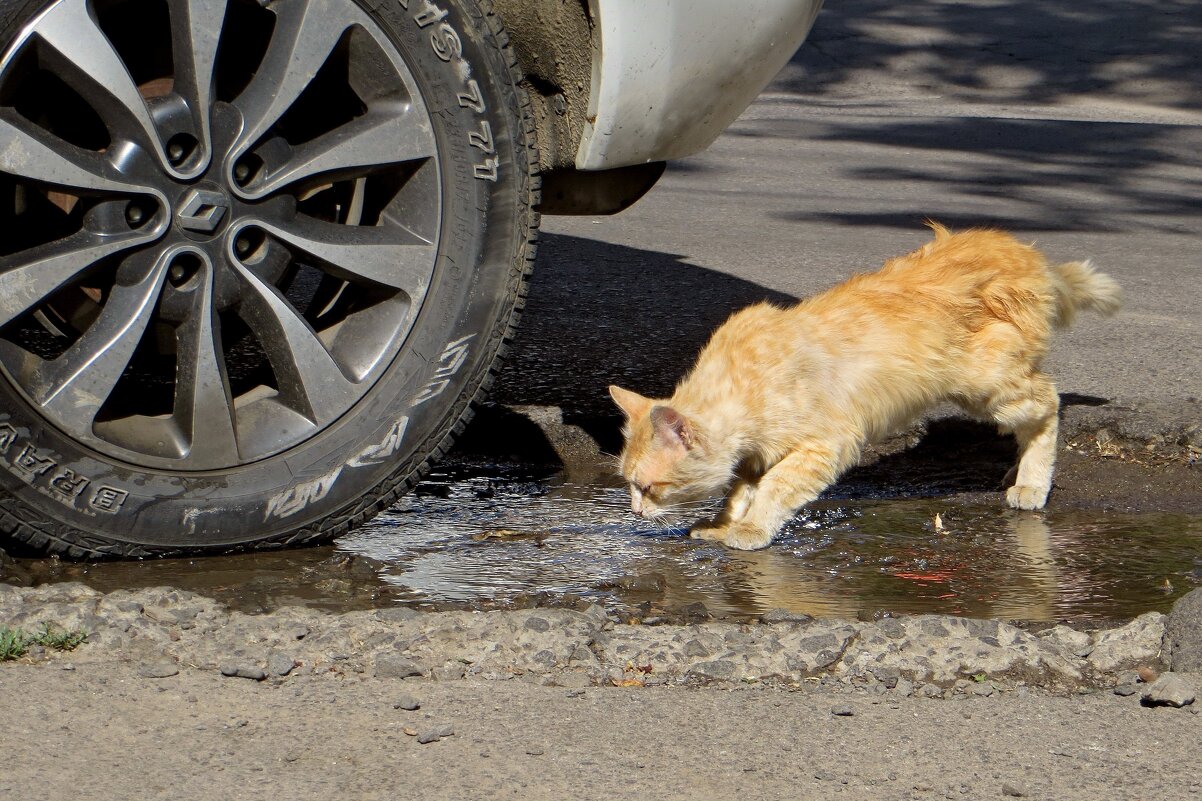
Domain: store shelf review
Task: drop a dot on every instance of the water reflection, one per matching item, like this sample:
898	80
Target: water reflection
478	536
920	574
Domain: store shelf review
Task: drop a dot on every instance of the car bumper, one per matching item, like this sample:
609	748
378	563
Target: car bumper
672	74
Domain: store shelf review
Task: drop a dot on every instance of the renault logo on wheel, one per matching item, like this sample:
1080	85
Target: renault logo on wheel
201	210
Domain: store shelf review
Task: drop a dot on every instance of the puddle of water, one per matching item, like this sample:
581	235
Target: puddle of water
841	558
483	537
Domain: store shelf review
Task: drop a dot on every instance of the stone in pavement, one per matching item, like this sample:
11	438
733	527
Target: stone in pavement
1183	634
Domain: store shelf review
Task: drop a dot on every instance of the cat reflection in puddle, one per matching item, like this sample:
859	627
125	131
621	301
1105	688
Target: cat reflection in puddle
1023	586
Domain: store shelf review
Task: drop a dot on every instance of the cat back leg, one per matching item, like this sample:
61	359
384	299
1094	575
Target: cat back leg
1031	415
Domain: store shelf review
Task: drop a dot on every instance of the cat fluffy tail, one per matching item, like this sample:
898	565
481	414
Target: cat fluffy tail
1079	286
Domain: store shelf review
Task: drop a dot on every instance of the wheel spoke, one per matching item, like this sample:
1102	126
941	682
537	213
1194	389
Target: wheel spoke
387	256
375	140
196	27
126	142
309	378
76	384
96	69
202	393
37	155
305	33
30	276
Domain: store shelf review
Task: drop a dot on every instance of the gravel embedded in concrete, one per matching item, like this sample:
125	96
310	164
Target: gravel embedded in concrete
407	702
1169	690
583	648
243	671
280	664
158	670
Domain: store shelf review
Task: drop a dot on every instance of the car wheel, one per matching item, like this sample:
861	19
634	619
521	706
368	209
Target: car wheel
257	259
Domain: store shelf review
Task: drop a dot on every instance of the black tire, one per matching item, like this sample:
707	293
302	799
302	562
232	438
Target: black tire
86	499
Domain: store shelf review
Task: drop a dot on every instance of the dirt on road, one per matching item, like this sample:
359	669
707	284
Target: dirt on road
102	732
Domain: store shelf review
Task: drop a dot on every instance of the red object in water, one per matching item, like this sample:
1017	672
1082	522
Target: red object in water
941	575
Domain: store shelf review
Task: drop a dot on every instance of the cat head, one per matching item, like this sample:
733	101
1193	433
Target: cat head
666	457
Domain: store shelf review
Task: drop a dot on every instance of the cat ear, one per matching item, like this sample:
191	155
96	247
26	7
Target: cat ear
671	427
632	404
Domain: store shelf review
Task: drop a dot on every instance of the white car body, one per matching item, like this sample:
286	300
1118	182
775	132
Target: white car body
672	74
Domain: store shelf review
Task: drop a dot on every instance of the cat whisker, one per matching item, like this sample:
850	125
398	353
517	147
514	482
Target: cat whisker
664	521
694	507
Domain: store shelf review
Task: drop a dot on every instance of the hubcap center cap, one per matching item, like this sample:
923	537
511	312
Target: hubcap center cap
201	212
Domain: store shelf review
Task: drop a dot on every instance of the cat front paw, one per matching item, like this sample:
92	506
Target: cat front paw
708	530
743	536
746	537
1020	497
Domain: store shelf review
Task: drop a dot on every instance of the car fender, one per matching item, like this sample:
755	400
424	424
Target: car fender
672	74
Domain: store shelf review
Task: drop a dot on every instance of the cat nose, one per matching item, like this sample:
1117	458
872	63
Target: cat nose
636	505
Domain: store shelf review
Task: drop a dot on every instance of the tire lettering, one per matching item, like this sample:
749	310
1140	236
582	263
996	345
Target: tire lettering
483	139
41	471
108	499
69	483
486	171
446	43
471	98
8	435
31	462
452	358
382	452
295	499
428	14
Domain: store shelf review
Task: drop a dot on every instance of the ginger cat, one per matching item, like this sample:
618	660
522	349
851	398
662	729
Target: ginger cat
782	401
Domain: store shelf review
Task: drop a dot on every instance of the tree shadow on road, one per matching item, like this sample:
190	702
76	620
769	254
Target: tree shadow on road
1024	175
1070	172
1139	51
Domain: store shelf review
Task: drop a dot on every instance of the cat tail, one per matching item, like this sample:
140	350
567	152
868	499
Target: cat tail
1079	286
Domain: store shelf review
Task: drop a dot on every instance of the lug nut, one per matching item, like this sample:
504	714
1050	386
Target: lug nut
135	214
243	245
241	172
180	147
182	269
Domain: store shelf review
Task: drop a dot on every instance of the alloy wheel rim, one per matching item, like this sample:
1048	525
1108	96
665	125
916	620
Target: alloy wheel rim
228	215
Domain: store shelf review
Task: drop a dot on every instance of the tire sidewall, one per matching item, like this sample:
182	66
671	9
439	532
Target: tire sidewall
79	497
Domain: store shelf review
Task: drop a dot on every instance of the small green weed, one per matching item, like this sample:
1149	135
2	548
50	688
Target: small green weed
12	644
15	643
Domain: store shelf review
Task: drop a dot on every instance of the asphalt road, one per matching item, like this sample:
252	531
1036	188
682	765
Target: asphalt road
101	732
1072	125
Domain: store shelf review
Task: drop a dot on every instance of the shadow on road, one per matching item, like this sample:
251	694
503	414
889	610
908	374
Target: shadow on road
1139	51
1028	175
967	163
600	313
